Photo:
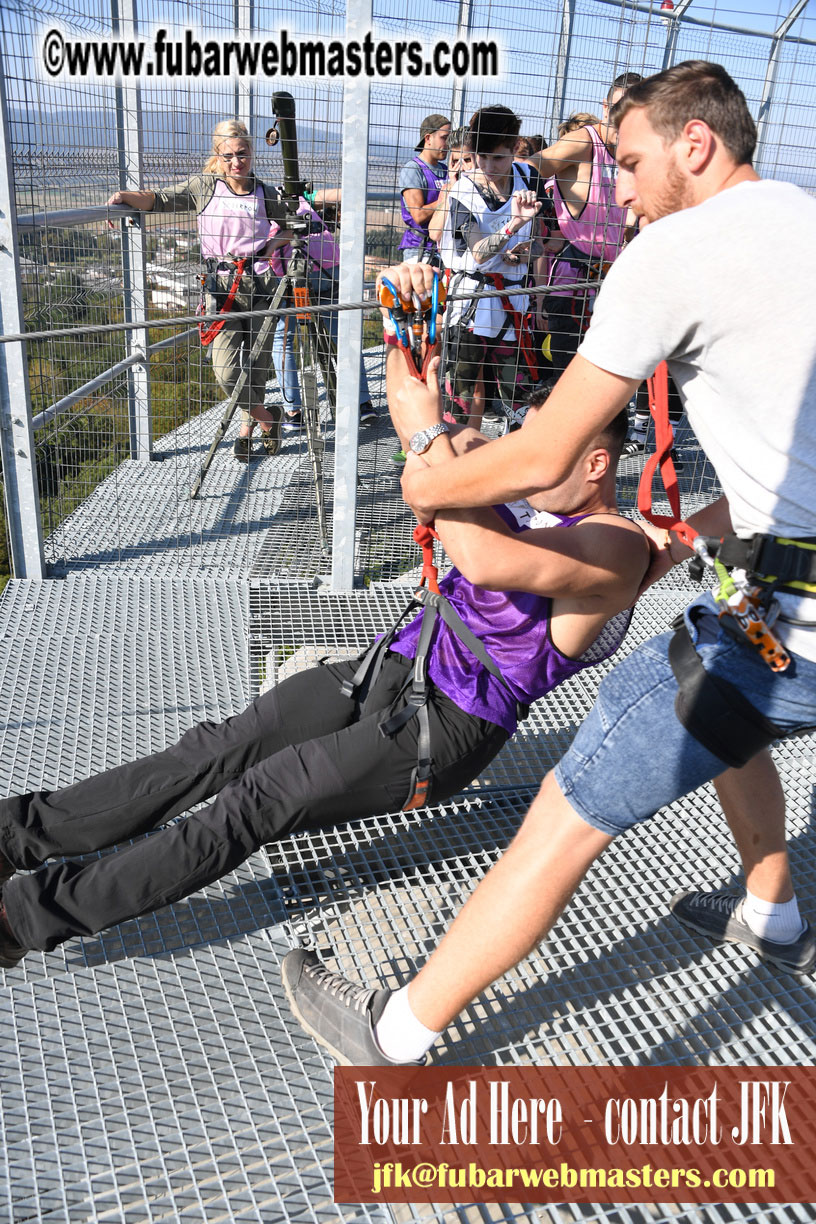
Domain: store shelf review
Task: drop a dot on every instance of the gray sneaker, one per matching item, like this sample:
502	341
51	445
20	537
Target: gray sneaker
719	915
339	1014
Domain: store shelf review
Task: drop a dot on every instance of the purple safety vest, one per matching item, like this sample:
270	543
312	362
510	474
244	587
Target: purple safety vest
417	235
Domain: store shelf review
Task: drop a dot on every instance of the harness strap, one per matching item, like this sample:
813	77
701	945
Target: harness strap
208	331
424	536
658	388
713	710
519	325
433	605
789	564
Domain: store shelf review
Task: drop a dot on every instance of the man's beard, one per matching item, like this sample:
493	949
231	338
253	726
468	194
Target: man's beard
674	196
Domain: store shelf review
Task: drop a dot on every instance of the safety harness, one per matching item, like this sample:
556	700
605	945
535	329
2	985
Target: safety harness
433	605
427	597
208	331
712	709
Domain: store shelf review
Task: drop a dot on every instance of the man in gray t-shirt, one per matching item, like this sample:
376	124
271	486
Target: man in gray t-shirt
421	180
685	143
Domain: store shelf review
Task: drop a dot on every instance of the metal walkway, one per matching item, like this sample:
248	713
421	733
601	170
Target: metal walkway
153	1073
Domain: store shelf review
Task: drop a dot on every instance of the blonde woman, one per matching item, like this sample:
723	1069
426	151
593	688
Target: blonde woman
238	225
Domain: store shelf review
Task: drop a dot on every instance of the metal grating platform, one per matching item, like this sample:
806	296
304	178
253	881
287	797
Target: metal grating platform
140	519
153	1074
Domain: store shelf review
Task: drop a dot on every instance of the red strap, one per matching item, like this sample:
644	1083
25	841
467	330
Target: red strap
208	331
658	388
424	536
522	332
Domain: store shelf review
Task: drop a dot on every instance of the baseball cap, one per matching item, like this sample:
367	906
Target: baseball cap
431	123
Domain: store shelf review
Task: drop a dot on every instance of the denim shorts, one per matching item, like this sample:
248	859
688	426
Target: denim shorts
632	756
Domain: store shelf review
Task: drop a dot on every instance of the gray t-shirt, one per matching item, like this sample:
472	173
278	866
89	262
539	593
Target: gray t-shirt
411	175
724	293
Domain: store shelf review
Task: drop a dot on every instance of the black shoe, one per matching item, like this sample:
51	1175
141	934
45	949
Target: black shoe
271	441
368	413
11	951
242	448
292	423
633	446
679	465
339	1014
719	915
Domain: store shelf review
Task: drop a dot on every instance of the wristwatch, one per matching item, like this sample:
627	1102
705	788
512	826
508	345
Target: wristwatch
424	437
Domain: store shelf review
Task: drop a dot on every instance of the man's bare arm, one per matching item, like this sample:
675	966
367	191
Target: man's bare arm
414	198
583	401
604	559
571	149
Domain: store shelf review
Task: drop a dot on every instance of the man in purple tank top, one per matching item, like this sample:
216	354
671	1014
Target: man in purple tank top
310	751
421	180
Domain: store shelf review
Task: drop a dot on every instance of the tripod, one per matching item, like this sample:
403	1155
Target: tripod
313	348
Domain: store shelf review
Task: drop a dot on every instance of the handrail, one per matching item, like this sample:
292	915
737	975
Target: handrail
137	358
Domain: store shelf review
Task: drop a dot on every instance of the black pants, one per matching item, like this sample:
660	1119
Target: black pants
568	320
300	756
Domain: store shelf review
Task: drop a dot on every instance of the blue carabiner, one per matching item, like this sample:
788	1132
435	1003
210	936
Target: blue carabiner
396	313
434	310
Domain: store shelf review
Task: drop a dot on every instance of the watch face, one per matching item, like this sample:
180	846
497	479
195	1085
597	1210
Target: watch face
424	437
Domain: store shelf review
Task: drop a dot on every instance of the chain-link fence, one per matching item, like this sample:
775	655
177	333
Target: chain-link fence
116	455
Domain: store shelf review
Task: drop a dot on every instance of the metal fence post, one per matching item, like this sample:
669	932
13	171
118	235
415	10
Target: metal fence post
16	434
244	17
354	181
458	96
770	76
672	20
562	66
134	272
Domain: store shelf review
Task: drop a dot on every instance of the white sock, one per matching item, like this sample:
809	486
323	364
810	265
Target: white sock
400	1035
779	922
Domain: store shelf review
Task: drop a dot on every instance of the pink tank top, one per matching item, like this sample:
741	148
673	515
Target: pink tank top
599	230
234	226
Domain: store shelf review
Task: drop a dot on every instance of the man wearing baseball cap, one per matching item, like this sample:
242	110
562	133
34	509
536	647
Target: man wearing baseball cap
421	180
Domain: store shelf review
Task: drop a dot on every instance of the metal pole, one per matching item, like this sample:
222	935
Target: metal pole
562	66
354	179
16	435
458	95
244	18
672	21
134	272
770	76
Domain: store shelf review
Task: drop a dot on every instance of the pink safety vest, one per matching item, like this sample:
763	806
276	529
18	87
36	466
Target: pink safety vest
234	226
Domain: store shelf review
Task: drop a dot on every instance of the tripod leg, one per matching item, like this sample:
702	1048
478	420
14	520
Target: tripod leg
311	418
229	410
327	358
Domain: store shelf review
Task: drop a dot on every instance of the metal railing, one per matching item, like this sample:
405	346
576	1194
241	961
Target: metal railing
559	57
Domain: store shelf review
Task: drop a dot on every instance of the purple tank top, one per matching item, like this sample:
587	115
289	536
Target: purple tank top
514	627
417	235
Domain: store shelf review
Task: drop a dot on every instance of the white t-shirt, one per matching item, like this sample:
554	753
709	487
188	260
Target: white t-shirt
470	214
724	292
